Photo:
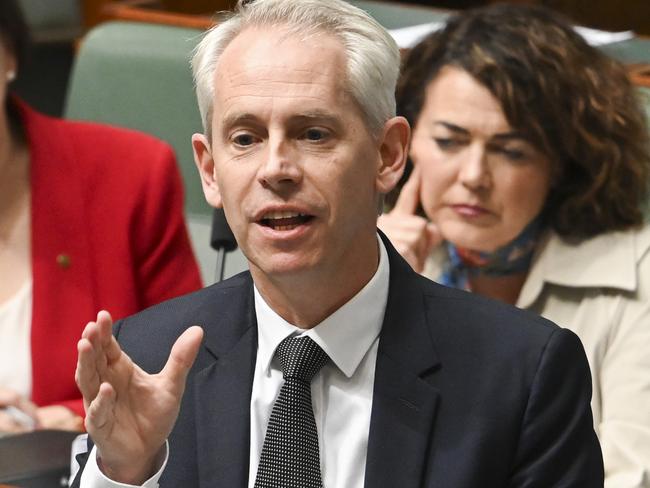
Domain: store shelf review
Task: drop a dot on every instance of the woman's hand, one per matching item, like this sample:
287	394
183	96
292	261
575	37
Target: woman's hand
10	423
130	413
414	237
59	417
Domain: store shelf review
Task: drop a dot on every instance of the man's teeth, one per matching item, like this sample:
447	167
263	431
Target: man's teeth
284	220
282	215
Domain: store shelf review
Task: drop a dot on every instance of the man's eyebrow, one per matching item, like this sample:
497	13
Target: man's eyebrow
317	116
313	116
239	118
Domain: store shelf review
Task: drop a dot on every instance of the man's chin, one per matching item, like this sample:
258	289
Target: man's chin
282	265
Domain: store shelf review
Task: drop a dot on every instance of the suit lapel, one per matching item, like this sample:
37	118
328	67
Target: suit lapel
404	403
223	393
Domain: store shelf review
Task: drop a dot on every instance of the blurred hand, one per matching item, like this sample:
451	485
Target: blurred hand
414	237
59	417
130	413
8	423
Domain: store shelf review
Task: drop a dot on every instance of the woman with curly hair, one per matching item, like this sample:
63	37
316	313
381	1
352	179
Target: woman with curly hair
530	168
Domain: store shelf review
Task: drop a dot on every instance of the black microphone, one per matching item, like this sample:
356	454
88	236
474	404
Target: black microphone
222	240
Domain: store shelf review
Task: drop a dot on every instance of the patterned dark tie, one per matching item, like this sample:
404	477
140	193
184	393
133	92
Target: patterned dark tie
290	455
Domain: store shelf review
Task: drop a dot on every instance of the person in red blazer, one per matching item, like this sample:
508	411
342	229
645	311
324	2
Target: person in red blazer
78	201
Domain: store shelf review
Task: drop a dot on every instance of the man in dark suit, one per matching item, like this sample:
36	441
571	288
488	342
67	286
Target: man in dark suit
413	384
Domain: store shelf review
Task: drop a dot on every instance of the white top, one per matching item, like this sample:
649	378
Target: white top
15	346
341	390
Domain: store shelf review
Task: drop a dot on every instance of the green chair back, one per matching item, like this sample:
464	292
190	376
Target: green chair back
137	75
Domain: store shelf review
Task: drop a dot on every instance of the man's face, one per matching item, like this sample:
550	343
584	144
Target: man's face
294	165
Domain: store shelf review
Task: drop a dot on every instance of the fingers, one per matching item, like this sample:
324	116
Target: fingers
97	349
86	374
434	237
409	197
24	411
10	424
58	417
105	336
182	357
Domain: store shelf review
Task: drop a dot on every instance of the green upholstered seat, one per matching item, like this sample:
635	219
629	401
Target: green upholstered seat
137	75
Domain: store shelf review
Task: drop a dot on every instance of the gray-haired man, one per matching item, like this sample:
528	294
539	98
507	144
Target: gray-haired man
410	384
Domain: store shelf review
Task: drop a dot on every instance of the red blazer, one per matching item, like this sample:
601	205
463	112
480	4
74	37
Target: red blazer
107	233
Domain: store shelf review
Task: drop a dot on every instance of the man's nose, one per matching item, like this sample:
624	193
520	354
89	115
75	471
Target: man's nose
281	166
474	172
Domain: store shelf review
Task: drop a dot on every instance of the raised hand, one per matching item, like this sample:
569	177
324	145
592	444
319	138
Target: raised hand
413	236
130	413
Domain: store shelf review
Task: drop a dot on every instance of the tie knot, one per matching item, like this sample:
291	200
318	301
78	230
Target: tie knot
300	358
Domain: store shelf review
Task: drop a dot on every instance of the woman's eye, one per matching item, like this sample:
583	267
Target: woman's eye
315	134
446	143
513	154
243	140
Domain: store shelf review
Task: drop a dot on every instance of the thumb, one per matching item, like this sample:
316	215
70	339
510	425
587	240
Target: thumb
182	356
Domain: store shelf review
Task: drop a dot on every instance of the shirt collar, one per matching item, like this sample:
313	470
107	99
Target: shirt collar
346	335
607	260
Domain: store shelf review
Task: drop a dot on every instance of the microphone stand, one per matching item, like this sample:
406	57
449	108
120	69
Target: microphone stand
222	240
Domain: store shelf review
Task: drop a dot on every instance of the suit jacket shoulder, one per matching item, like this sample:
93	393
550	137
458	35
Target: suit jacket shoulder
224	310
488	394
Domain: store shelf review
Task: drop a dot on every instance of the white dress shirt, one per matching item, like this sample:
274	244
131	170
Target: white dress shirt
341	390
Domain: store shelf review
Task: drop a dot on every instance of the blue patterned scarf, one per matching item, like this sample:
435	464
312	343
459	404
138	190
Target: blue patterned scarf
515	257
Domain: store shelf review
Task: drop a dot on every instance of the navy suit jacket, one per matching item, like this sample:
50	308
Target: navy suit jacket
468	392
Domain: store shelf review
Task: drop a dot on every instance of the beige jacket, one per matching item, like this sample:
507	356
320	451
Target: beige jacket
600	289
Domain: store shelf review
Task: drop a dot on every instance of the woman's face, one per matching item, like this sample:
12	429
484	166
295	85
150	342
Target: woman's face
482	183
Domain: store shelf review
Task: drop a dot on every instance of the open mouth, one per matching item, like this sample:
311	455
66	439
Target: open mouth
284	220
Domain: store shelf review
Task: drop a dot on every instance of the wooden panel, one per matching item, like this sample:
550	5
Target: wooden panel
182	13
141	11
186	13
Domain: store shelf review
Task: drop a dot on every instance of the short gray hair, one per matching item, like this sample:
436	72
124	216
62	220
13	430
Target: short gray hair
372	54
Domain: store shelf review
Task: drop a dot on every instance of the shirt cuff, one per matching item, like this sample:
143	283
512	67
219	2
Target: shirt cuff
92	476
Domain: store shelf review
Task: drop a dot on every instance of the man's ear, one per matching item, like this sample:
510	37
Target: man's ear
393	152
205	164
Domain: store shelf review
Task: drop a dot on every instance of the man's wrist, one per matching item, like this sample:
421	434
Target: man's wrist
131	473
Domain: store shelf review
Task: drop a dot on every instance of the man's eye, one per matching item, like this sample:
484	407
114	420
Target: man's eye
243	140
315	134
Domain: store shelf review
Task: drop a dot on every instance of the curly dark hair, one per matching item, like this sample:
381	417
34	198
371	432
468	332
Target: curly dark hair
568	99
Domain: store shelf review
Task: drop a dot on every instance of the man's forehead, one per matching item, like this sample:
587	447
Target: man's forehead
268	63
271	53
